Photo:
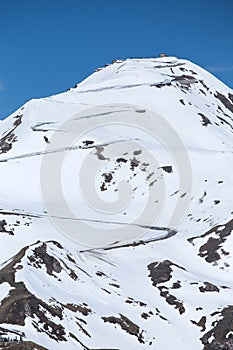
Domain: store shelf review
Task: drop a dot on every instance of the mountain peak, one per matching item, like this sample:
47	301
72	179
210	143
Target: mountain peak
116	216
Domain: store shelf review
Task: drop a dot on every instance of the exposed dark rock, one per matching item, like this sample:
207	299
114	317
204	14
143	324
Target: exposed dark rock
84	347
204	85
101	274
185	81
107	180
216	345
20	303
107	177
134	163
70	258
145	315
46	139
205	120
83	309
203	92
201	200
176	285
219	337
121	160
57	244
167	168
103	187
208	287
161	272
8	138
24	345
136	153
227	102
160	85
3	225
211	249
7	273
169	65
127	325
88	142
106	291
224	121
201	323
135	302
41	257
230	97
114	285
171	299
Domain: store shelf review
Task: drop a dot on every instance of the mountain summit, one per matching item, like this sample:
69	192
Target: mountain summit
116	215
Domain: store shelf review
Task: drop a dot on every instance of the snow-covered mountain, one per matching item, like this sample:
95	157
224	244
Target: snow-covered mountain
116	214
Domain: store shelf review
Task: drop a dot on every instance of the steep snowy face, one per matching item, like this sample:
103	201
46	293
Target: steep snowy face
116	212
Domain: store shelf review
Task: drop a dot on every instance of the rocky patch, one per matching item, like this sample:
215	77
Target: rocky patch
227	102
184	82
161	272
82	308
46	139
162	84
41	257
204	120
3	229
212	250
230	97
220	337
8	138
24	345
208	287
201	323
88	142
20	303
171	299
126	325
167	168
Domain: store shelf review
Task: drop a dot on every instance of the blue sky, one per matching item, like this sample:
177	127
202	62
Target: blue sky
47	46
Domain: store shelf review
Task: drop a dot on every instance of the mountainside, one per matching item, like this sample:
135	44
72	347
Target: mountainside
116	212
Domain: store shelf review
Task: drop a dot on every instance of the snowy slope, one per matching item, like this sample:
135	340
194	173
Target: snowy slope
115	212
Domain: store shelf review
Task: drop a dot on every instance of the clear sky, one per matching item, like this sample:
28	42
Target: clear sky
47	46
